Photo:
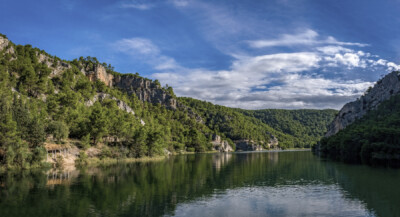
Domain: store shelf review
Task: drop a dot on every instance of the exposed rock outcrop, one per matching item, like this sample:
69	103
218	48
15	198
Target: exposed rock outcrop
250	145
56	66
121	104
221	145
247	145
3	43
99	73
102	96
146	90
383	90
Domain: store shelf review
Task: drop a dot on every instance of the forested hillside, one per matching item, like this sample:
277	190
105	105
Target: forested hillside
44	98
293	128
85	104
307	126
374	139
236	126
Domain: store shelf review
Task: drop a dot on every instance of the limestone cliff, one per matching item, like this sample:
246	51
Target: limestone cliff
98	72
383	90
250	145
145	89
221	145
4	43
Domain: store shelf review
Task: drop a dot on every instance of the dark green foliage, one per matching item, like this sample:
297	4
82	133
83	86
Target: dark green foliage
38	100
59	130
97	123
307	126
374	139
293	128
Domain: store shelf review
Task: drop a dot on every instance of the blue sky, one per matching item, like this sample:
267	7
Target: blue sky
249	54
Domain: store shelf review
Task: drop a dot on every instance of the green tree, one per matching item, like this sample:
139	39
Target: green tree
59	130
98	123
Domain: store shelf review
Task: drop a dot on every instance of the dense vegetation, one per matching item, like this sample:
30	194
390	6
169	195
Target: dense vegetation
293	128
37	104
307	126
373	139
234	125
48	100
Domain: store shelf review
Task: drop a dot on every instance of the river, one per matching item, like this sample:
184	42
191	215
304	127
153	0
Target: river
294	183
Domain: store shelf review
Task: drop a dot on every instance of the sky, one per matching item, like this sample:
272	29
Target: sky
252	54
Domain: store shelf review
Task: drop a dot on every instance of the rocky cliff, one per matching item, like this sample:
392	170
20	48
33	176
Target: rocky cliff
250	145
221	145
383	90
99	73
145	89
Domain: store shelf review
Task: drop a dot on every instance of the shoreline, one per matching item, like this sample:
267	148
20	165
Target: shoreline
97	162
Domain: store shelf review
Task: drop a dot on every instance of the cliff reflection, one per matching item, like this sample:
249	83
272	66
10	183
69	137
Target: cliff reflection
220	160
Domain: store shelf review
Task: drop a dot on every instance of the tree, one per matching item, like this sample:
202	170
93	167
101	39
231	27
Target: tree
59	130
98	122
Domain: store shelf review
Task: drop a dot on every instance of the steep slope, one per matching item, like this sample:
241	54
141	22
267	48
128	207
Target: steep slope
49	102
383	90
368	130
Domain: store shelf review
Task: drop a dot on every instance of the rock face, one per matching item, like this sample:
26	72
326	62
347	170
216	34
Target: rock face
99	73
145	90
121	104
102	96
383	90
3	43
250	145
221	145
247	145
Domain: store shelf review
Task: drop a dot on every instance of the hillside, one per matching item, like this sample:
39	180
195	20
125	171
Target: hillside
55	110
306	126
292	128
368	130
49	102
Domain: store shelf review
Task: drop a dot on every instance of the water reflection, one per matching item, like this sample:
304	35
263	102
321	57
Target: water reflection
220	160
251	184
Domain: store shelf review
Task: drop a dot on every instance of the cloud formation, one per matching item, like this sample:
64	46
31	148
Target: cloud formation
140	5
306	37
291	80
145	50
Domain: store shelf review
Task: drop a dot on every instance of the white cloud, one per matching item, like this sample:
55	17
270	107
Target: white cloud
180	3
282	86
137	5
393	66
332	50
280	80
145	50
137	45
306	37
281	62
350	60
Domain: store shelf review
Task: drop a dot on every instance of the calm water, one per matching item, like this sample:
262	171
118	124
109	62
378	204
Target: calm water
243	184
